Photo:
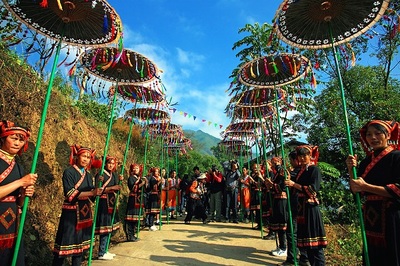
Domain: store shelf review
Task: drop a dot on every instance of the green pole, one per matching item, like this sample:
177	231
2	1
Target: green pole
259	188
144	172
96	205
36	153
350	147
294	248
176	183
241	185
264	145
122	172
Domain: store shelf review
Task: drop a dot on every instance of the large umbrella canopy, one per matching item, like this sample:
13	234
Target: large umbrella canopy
312	24
239	134
125	67
257	97
138	93
243	125
77	22
253	112
148	114
274	70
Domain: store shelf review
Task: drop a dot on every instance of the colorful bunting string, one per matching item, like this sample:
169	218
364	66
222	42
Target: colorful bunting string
187	115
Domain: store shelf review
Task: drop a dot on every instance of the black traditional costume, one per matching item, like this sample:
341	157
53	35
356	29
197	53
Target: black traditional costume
75	226
310	231
134	209
107	201
74	229
10	171
279	217
9	211
382	214
153	198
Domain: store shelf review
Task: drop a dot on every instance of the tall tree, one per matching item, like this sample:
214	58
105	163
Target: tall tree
367	98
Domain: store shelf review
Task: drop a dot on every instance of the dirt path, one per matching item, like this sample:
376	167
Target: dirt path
196	244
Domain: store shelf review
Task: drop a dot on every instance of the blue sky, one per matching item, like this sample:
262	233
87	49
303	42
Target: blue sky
191	41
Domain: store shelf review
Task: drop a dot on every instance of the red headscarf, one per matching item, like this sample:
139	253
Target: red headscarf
389	126
8	128
314	153
77	150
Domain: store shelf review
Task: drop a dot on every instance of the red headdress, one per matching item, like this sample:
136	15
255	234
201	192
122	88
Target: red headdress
138	165
8	128
314	153
77	149
389	126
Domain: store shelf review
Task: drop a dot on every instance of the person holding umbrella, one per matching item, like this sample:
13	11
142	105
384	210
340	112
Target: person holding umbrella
110	185
14	187
379	182
279	218
310	226
75	226
153	203
135	184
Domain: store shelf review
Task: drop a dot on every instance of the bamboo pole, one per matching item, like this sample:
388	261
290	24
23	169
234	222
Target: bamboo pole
37	148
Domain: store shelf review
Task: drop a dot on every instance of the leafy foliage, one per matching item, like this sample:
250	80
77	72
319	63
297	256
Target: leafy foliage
89	107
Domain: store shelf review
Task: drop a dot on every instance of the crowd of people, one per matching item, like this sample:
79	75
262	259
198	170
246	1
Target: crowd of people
263	195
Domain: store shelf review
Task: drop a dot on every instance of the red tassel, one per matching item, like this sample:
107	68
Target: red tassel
71	71
44	4
313	81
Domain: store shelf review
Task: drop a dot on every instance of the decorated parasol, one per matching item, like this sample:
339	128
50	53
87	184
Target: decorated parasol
274	70
78	23
141	94
315	24
149	117
112	65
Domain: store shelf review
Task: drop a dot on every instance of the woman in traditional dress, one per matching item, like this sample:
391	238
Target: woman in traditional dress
164	189
256	180
310	231
14	187
173	185
245	190
135	206
153	203
379	181
279	216
107	200
75	226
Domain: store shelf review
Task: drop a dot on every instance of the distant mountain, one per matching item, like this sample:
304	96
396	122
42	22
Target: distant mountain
202	141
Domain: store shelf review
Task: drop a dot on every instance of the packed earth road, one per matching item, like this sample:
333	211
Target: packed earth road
195	244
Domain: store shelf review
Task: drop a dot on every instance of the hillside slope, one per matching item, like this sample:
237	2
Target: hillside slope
202	141
21	100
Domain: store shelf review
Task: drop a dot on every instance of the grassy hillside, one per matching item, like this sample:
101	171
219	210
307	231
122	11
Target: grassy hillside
22	95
